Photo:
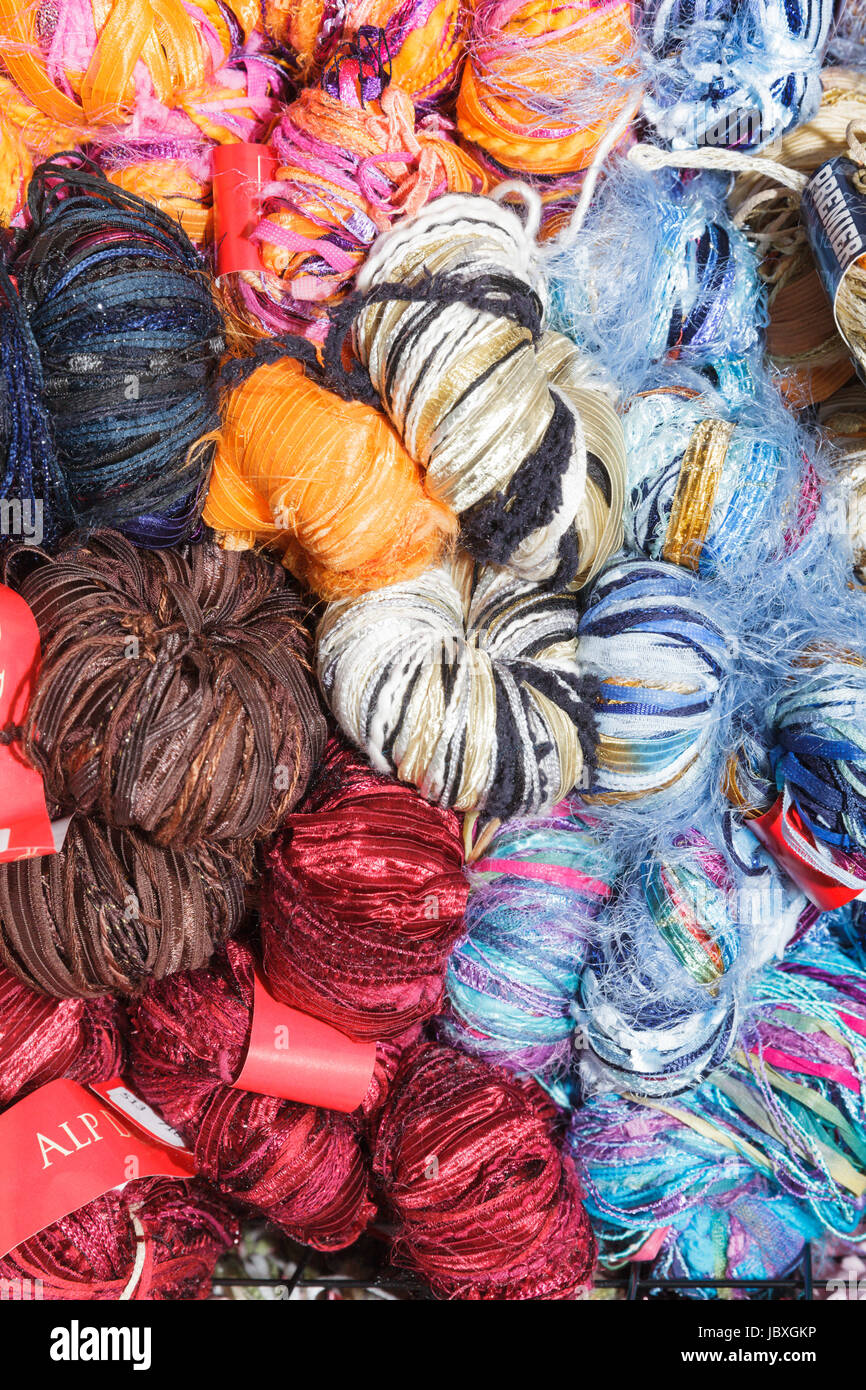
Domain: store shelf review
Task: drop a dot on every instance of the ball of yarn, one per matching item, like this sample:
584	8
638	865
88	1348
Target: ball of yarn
843	419
658	273
174	693
175	176
42	1039
300	1166
126	340
732	72
848	37
363	902
711	489
485	1205
802	339
155	1239
537	891
705	1209
112	911
447	320
465	683
16	166
350	163
543	85
327	479
653	638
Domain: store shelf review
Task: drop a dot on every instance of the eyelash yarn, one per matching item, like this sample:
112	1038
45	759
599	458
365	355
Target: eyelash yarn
466	683
843	419
660	649
732	72
536	893
174	693
542	86
327	479
486	1206
447	318
123	340
112	911
363	901
299	1166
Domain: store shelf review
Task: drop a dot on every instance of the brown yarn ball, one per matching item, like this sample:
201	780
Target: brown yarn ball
175	692
112	911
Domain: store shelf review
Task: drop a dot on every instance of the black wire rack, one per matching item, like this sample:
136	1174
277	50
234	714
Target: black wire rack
798	1284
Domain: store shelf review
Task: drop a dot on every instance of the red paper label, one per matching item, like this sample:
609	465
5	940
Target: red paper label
66	1145
299	1058
822	889
25	830
239	173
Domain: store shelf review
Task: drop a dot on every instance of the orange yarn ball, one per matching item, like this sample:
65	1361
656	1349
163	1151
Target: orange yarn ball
175	188
16	166
326	480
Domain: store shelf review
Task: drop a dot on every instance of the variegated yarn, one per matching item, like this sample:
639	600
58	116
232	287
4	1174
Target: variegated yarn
465	682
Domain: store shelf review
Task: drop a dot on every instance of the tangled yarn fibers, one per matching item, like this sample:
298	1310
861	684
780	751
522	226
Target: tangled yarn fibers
112	911
363	902
537	892
44	1039
448	322
732	72
543	84
327	480
174	693
843	418
652	637
485	1205
466	683
122	340
16	166
350	163
300	1166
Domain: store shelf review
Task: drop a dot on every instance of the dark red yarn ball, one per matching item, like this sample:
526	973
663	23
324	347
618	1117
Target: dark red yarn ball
159	1238
364	901
42	1039
486	1204
300	1166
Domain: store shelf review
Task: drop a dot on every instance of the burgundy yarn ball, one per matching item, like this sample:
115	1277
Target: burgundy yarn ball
44	1039
159	1238
364	901
485	1203
299	1166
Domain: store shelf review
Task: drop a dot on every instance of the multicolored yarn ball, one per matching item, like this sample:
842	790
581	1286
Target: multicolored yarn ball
654	639
447	318
174	694
43	1039
536	893
736	73
299	1166
350	163
466	683
712	489
803	341
326	481
659	1186
112	911
363	901
120	352
659	272
156	1239
543	85
485	1205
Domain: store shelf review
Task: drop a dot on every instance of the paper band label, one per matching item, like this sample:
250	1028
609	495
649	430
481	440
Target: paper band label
834	214
299	1058
780	831
65	1145
25	830
239	173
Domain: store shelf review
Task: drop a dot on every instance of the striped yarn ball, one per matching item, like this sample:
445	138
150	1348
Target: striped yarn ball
464	682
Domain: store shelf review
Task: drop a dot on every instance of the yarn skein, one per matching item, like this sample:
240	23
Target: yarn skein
466	683
174	694
44	1039
300	1166
363	901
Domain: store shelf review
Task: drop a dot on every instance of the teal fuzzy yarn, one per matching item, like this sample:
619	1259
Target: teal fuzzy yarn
535	897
